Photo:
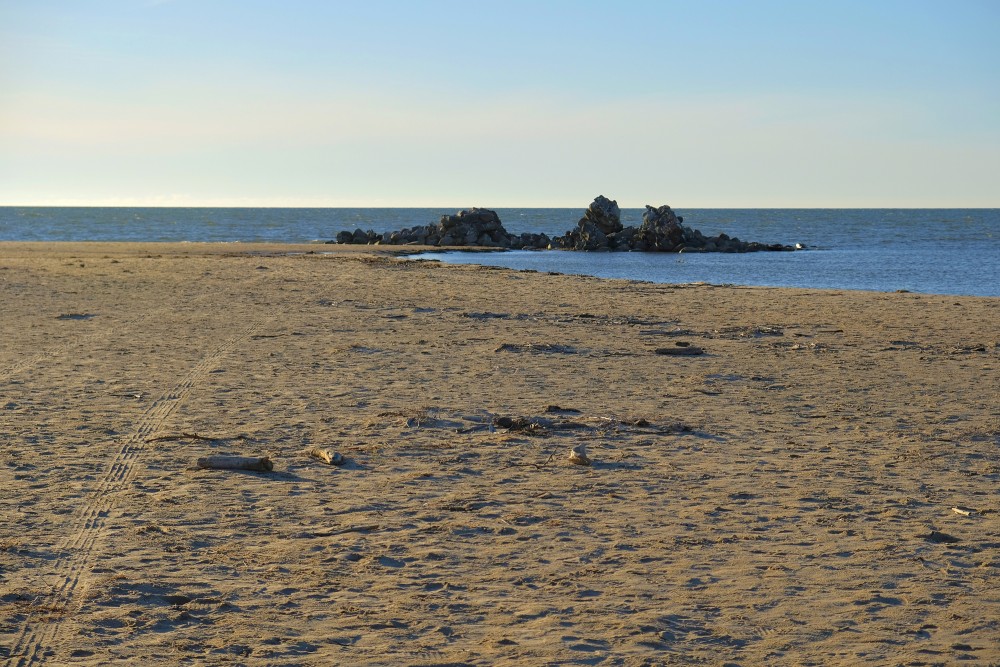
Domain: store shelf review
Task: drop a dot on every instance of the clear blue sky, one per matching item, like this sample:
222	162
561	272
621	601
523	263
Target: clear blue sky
705	103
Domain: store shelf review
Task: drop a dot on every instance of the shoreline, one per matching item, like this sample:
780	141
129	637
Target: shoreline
785	496
411	252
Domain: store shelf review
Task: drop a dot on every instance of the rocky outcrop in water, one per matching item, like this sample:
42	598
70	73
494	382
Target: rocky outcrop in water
597	229
600	229
661	231
478	227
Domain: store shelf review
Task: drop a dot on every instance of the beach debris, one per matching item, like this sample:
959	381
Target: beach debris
128	394
736	332
223	462
668	332
327	456
560	409
964	511
642	422
938	537
544	348
529	425
680	348
475	428
578	455
487	316
177	599
76	316
330	532
179	436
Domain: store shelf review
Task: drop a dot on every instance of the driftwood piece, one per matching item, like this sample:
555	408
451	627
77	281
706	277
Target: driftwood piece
181	436
341	531
221	462
680	351
326	456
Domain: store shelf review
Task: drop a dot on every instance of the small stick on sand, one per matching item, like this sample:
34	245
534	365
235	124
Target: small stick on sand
350	529
326	456
685	351
182	436
219	462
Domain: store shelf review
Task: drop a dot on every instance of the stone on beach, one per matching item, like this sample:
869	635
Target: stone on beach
578	455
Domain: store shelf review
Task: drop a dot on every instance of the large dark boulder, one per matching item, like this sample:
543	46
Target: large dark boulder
596	228
604	214
660	230
360	236
474	226
586	236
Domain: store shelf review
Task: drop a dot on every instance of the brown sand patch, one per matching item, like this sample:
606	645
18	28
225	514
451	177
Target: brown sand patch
784	497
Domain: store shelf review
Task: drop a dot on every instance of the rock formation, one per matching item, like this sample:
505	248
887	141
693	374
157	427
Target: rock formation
597	229
479	227
600	229
661	231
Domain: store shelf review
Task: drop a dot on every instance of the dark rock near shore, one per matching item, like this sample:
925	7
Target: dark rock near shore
530	241
357	236
471	227
604	214
597	229
475	227
600	229
661	231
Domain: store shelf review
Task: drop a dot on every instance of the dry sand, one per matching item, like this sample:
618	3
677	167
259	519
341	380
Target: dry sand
784	498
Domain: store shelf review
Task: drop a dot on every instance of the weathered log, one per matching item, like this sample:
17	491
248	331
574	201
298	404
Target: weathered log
326	456
222	462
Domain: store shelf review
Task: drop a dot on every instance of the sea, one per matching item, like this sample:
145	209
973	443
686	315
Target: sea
933	251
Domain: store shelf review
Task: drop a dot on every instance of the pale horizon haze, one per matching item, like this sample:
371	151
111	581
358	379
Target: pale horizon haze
711	104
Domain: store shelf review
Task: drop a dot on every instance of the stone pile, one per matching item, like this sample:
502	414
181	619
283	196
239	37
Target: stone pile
600	229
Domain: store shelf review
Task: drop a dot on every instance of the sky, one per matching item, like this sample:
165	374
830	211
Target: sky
695	104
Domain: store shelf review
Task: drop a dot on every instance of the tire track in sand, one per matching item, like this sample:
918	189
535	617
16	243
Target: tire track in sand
76	552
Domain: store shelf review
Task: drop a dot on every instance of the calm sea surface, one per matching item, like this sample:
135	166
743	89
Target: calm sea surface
938	251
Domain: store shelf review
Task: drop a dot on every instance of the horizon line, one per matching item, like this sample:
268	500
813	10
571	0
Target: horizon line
460	208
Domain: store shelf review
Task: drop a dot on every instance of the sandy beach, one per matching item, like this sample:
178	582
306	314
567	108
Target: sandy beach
818	487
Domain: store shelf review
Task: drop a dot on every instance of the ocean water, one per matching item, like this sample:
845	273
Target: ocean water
937	251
